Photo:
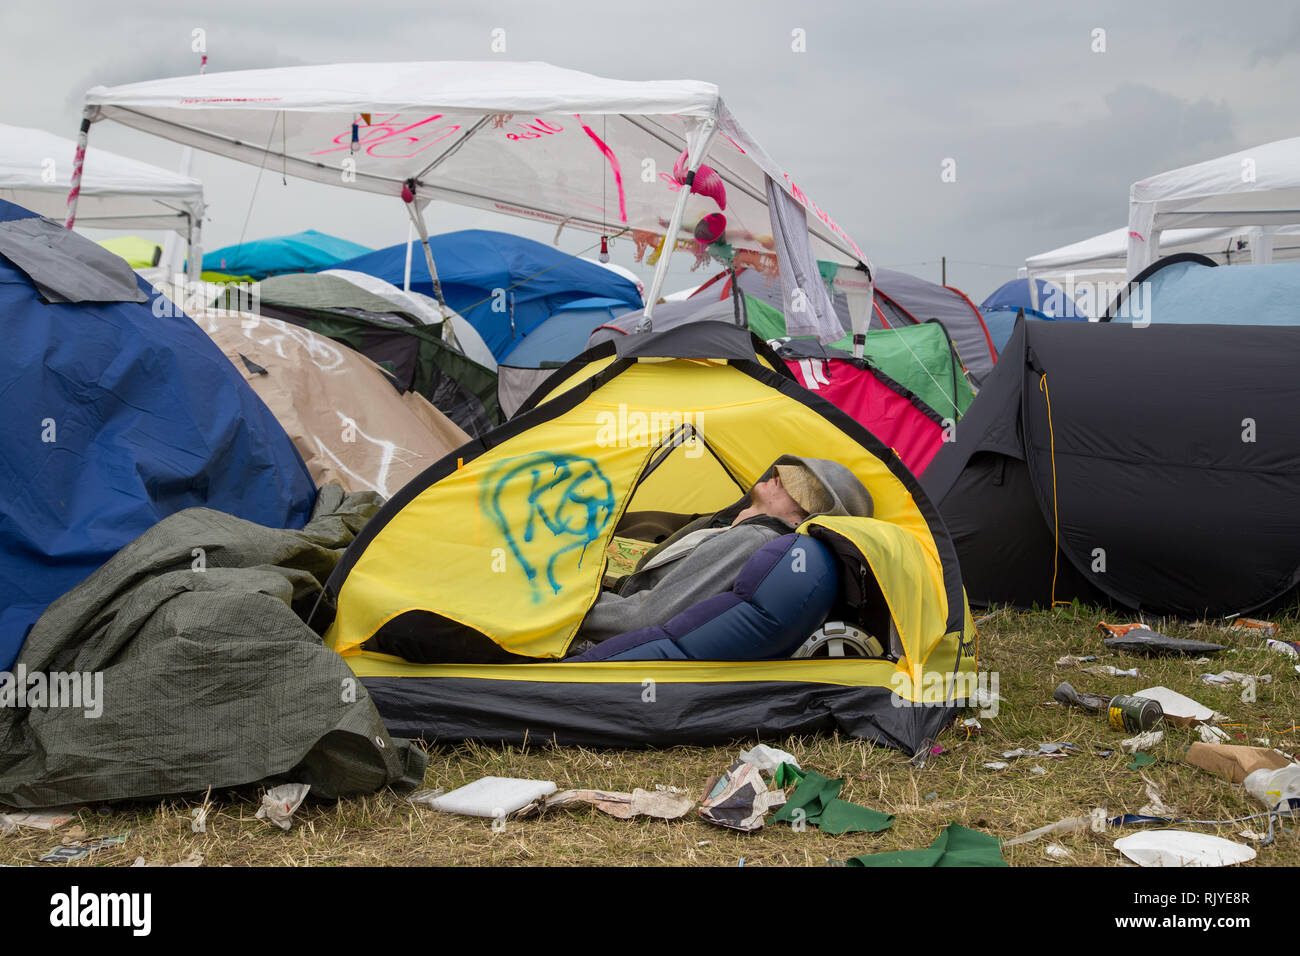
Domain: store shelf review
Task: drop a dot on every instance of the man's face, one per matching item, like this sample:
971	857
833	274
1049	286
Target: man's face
770	497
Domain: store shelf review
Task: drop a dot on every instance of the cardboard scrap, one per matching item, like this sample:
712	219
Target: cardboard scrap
1234	762
50	819
1179	710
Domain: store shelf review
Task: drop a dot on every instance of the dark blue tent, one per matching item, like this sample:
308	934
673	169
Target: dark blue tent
309	251
117	414
1000	308
505	286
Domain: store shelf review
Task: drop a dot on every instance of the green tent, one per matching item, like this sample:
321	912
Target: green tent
393	337
921	357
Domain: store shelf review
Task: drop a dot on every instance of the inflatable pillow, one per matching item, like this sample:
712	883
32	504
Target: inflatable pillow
782	594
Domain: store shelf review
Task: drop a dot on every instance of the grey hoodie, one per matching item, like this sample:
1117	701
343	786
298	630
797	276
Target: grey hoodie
652	596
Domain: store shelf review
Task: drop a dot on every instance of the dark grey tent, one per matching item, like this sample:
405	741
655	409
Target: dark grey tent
1166	460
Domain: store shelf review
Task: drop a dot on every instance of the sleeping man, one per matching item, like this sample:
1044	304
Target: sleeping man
704	558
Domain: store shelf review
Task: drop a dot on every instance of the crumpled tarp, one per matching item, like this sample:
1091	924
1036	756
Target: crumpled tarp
955	846
816	801
210	677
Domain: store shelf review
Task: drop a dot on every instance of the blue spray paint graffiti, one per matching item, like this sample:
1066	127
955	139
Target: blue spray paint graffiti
570	501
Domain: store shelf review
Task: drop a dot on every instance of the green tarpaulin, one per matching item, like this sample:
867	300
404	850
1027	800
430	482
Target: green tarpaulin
955	846
816	801
197	671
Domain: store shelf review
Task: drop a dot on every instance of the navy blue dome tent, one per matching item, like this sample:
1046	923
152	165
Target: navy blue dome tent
119	411
505	286
1011	298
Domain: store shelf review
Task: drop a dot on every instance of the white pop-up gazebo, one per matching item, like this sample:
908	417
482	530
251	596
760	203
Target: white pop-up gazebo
1254	187
525	139
36	170
1099	264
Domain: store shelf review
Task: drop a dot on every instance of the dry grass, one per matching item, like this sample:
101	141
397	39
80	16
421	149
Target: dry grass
385	829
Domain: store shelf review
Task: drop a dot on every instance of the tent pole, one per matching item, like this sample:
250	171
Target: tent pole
646	323
1261	250
194	259
78	162
410	241
417	219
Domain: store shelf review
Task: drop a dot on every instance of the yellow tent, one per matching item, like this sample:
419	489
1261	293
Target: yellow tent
494	555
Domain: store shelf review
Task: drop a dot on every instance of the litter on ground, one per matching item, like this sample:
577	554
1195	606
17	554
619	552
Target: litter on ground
280	803
1182	848
495	797
651	803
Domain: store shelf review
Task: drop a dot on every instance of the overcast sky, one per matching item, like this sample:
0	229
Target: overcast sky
1047	134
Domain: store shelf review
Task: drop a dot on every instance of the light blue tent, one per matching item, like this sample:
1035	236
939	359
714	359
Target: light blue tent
119	411
308	251
1189	289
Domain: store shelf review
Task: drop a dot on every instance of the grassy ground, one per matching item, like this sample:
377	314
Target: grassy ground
1021	648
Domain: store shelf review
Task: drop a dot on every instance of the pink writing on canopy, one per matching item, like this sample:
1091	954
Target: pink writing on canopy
391	137
534	130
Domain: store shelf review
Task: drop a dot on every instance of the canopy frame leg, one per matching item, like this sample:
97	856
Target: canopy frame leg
646	323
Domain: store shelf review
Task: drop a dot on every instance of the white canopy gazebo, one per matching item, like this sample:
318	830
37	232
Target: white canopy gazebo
525	139
1254	187
1101	262
116	193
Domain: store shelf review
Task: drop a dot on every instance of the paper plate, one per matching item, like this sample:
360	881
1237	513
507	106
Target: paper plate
1182	848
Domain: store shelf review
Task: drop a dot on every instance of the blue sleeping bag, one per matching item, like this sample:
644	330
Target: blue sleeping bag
782	594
